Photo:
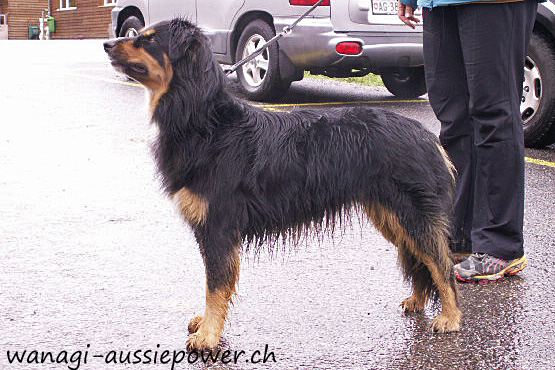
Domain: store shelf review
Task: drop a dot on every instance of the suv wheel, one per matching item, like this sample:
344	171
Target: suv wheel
538	95
260	78
130	27
405	82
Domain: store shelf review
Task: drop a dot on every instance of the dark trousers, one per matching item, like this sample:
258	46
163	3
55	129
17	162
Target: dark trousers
474	61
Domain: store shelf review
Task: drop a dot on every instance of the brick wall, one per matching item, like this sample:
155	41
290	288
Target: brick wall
21	14
91	19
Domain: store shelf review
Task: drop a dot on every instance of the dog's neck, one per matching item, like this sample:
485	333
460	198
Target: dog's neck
188	117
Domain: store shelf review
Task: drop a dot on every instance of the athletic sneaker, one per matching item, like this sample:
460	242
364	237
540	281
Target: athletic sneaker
483	268
458	257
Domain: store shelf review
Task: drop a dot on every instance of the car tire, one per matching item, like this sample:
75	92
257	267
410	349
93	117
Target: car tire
260	78
538	96
130	27
405	83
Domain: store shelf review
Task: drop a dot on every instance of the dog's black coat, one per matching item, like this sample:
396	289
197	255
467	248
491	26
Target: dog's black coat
266	175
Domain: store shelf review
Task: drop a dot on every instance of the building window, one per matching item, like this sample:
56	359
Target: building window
107	2
68	4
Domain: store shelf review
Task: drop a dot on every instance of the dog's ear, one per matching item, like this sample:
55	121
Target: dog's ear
183	35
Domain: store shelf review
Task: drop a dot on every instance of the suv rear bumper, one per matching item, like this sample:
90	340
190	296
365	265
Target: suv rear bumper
314	48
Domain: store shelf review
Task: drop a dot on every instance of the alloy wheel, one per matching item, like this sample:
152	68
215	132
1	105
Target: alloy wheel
255	70
531	90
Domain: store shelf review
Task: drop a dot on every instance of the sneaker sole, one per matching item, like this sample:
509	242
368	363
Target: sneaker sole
514	268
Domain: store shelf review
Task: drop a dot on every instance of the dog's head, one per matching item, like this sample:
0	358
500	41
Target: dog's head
150	56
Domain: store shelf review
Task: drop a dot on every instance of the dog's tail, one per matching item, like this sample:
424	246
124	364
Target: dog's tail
450	166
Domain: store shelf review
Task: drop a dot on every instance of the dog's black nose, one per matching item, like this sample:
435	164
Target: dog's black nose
109	44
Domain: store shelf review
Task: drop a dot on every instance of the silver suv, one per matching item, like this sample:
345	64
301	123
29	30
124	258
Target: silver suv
341	39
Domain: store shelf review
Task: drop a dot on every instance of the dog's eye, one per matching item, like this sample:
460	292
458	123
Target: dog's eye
149	37
146	37
144	40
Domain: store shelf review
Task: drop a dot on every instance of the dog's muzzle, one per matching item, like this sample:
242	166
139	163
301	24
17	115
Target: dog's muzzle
108	45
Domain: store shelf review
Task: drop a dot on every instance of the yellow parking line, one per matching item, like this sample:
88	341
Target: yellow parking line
111	80
341	103
272	107
541	162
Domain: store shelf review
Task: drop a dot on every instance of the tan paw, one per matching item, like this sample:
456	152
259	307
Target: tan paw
446	324
202	340
412	304
194	324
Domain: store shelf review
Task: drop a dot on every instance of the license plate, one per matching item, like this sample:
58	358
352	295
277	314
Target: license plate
384	7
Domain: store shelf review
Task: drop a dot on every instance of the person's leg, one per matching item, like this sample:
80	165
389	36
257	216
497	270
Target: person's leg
494	39
448	95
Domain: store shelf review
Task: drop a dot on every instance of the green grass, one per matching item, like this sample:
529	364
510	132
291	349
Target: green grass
368	80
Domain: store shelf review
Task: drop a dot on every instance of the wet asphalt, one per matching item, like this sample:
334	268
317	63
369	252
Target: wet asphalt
95	260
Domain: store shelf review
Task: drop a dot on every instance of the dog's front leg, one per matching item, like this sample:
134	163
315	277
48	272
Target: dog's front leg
221	261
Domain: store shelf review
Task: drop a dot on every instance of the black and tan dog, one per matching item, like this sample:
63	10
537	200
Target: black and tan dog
243	175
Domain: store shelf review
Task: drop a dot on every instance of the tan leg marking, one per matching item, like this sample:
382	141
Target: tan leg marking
450	317
192	206
386	222
390	227
206	330
415	303
194	324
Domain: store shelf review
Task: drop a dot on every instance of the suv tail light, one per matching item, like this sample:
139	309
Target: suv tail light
308	2
348	48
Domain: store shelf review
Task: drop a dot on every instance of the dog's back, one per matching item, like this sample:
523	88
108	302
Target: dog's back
307	165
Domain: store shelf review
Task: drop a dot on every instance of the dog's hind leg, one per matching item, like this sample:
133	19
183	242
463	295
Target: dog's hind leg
222	263
420	282
425	260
